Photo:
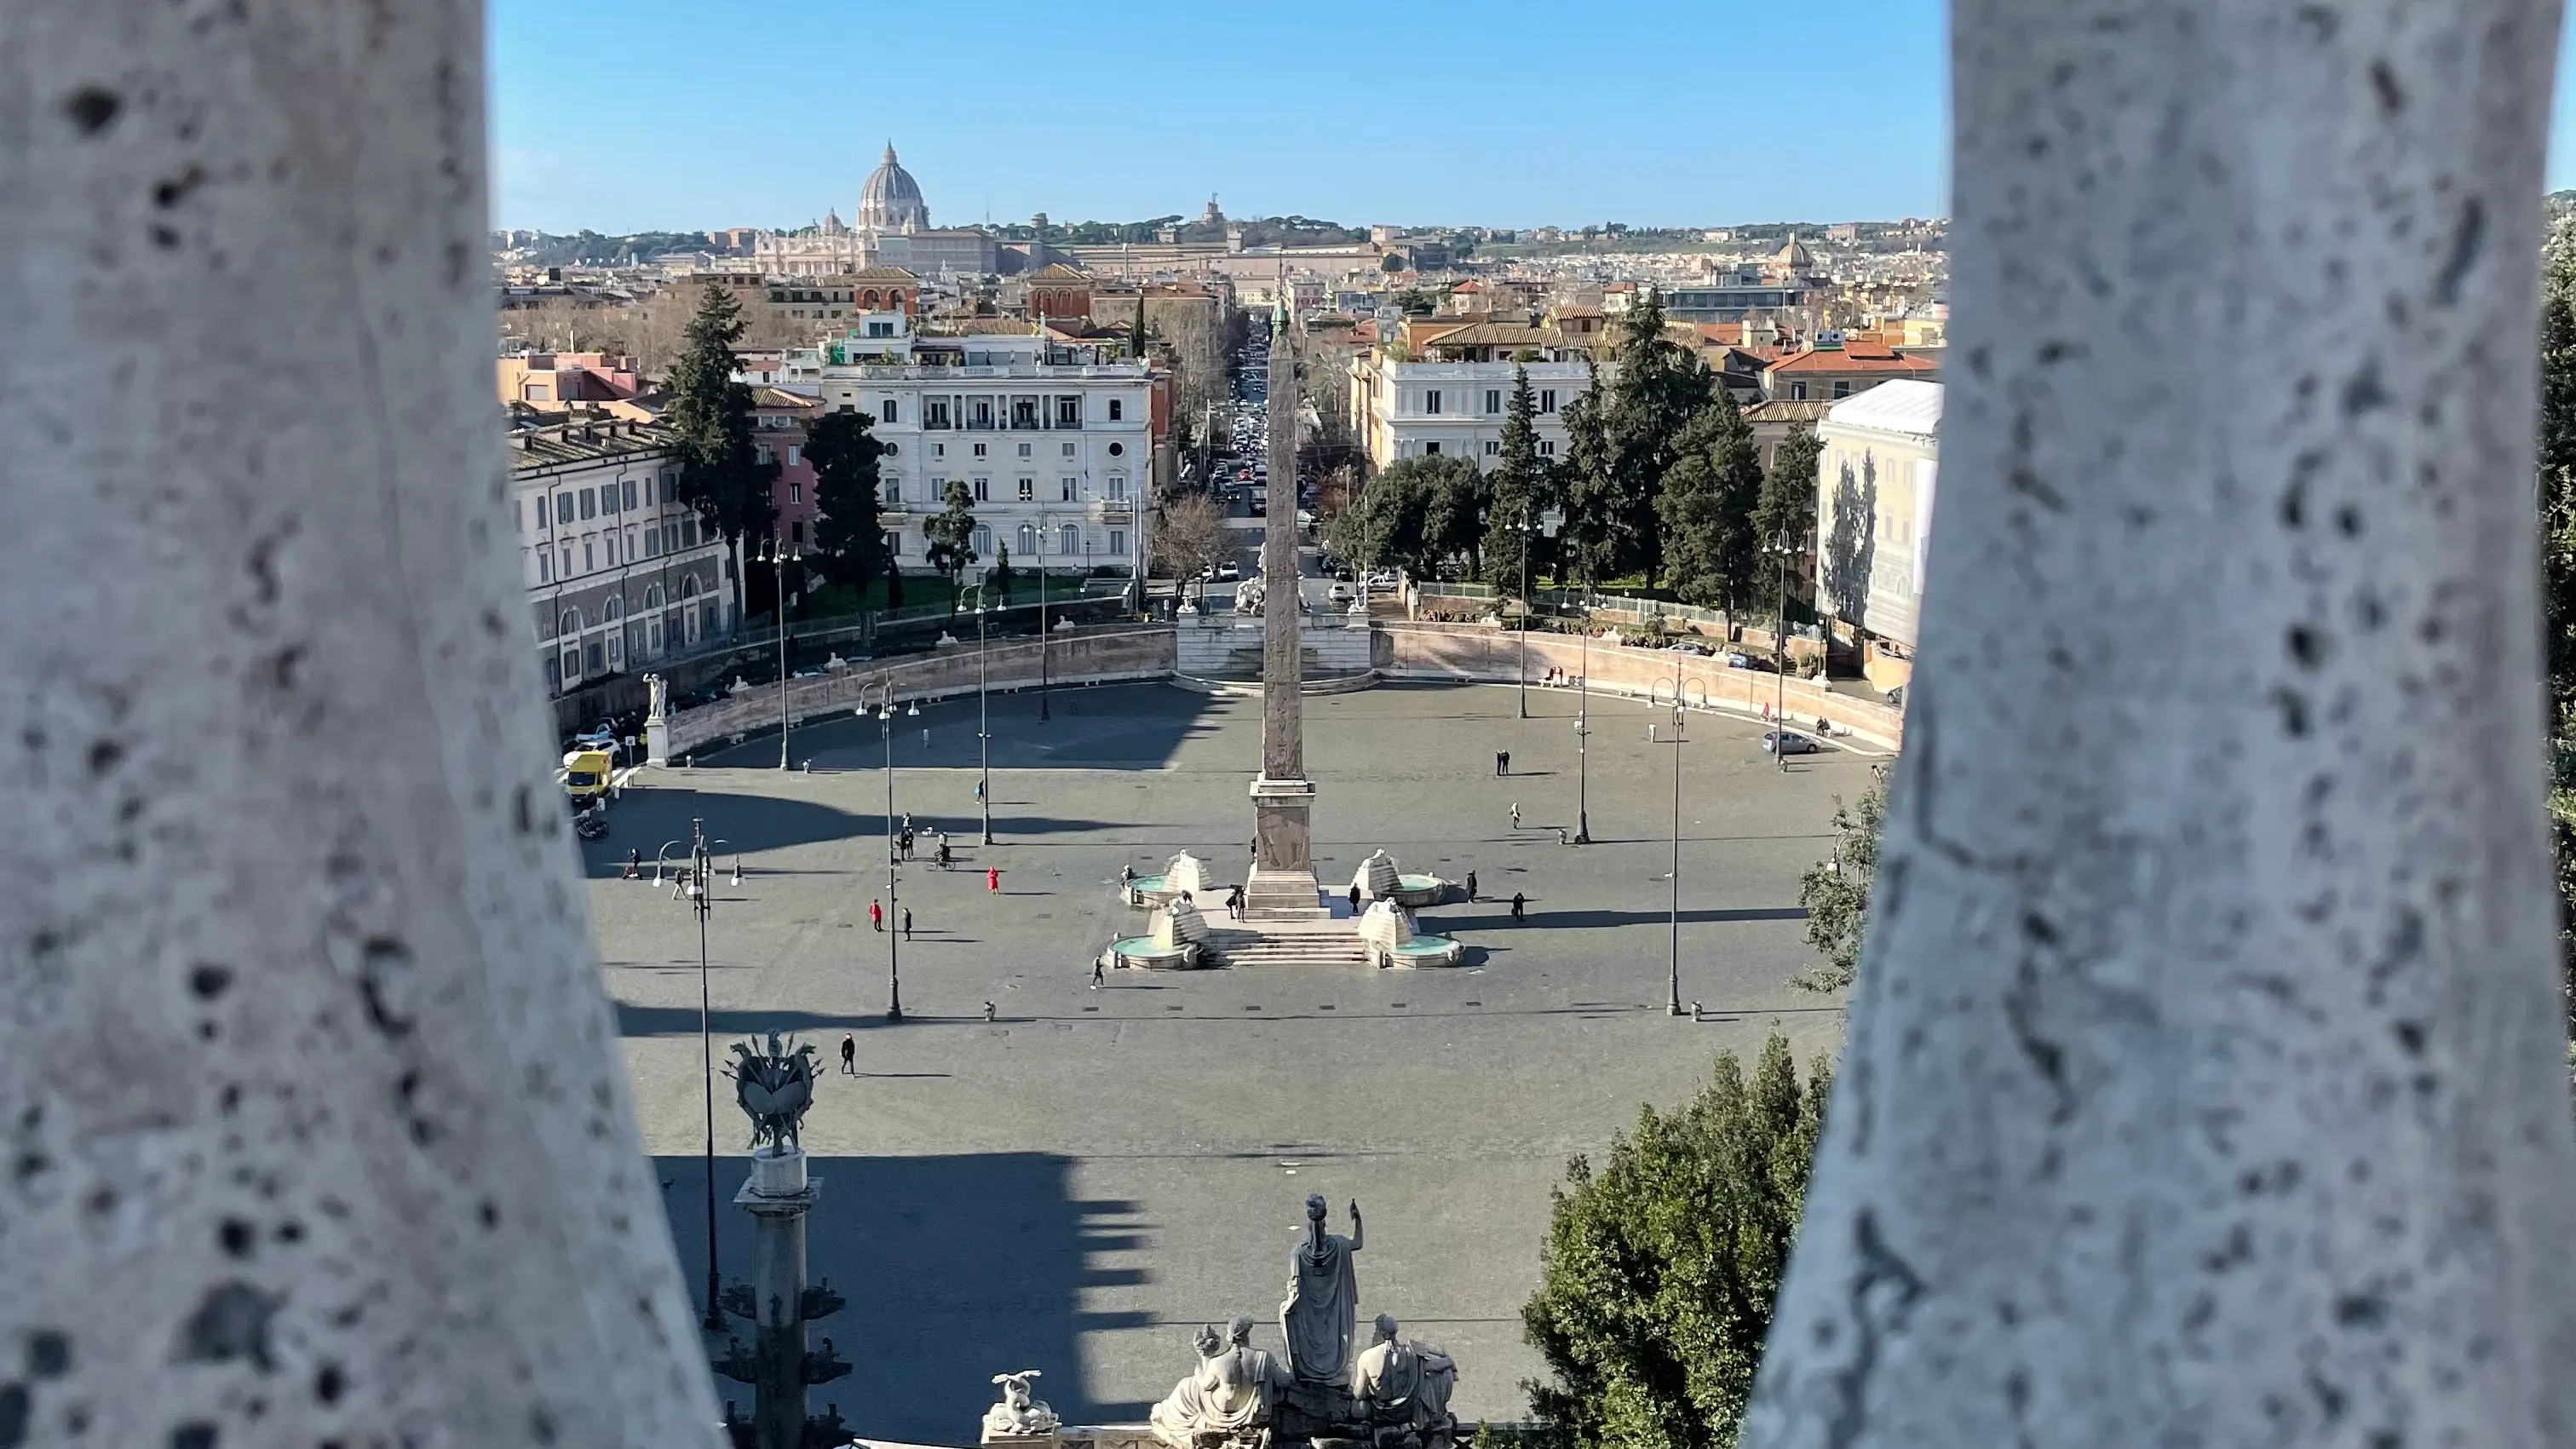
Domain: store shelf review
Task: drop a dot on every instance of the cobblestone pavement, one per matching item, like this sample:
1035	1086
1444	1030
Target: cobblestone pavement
1075	1185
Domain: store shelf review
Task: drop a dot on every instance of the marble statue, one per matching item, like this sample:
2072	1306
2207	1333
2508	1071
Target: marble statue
1229	1396
1018	1414
1405	1386
1323	1299
774	1089
657	691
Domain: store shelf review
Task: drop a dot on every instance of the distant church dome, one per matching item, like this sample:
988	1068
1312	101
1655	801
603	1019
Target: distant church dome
1791	260
891	201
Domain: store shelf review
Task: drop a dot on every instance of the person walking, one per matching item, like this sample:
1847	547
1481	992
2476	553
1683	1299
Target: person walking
907	923
1520	908
1099	971
1355	898
1234	902
876	916
1471	887
993	879
849	1054
1502	763
1516	815
634	864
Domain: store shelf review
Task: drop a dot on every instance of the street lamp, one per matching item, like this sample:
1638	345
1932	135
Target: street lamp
1783	547
1674	1006
700	890
1583	730
781	556
885	730
1043	713
1548	523
983	720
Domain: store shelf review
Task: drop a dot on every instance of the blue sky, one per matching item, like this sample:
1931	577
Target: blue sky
686	114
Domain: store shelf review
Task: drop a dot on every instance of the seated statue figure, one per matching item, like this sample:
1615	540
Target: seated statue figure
1228	1398
1020	1414
1404	1389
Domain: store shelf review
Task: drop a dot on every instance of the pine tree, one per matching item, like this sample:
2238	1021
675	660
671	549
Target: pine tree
721	475
1706	506
1788	503
1660	1272
1656	390
848	537
952	536
1588	545
1520	484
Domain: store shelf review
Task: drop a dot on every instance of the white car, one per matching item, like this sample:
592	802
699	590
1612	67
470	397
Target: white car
1228	573
1341	593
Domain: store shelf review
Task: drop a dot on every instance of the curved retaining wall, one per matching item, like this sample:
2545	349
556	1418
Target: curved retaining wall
1420	650
1095	655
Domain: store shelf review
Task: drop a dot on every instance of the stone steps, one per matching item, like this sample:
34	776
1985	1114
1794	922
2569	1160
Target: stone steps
1289	944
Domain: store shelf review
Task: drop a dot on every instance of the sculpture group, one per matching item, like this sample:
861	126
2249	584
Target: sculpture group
1393	1395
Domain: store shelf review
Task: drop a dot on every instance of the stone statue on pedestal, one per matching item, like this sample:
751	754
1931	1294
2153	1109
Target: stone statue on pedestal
657	691
774	1089
1228	1398
1404	1388
1018	1415
1323	1299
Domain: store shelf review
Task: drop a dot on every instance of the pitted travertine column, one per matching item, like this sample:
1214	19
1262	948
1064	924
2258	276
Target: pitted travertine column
315	1125
1283	872
2205	1083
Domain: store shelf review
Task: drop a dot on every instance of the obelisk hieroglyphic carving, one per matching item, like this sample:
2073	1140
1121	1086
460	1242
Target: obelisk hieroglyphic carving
1283	869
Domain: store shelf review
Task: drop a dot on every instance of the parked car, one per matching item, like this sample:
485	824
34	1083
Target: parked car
1738	659
1341	593
1227	573
1788	742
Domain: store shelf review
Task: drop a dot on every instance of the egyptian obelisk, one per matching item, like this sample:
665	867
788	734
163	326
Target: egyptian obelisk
1282	886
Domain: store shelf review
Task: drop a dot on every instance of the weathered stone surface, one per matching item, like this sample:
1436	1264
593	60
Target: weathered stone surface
2204	1085
316	1129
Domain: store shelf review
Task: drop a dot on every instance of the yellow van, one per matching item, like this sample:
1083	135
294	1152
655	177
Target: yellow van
585	775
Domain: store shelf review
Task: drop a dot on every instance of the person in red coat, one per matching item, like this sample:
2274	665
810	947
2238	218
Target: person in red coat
993	879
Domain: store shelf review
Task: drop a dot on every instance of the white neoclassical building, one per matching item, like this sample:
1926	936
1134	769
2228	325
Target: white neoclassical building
1051	438
617	574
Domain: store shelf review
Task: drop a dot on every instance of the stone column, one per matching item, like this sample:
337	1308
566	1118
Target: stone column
2205	1081
1283	874
315	1126
779	1194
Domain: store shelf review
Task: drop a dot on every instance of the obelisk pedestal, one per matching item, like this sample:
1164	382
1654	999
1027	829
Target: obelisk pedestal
779	1365
1282	885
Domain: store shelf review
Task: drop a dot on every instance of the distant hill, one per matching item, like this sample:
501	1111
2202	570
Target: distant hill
590	248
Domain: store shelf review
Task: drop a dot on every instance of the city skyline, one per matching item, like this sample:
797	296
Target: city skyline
1516	122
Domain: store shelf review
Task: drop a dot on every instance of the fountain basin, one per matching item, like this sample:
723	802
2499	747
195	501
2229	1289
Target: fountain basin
1420	951
1141	951
1416	891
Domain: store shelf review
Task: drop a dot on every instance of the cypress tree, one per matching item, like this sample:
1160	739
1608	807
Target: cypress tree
1519	482
710	415
2555	494
952	536
1706	507
1788	503
848	537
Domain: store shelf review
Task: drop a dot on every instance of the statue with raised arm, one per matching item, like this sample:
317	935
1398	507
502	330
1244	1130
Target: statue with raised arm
658	697
1404	1389
1323	1299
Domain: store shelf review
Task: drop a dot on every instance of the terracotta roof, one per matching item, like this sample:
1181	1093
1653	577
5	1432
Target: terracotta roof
1786	410
765	396
1058	272
1842	360
579	442
885	274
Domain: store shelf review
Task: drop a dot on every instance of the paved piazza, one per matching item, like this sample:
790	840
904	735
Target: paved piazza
1076	1186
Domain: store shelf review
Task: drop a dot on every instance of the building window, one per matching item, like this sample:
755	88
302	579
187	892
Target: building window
1842	387
1547	399
1492	448
1118	543
567	561
892	449
1117	410
1117	485
615	656
630	493
652	543
1068	412
982	542
1493	400
1068	539
981	486
887	413
589	560
795	455
1118	450
563	508
1431	400
1028	489
541	392
939	450
569	624
894	491
760	453
1430	450
979	449
795	492
689	532
1024	450
1797	392
934	413
1028	540
545	566
1547	447
894	543
796	531
1068	450
1071	486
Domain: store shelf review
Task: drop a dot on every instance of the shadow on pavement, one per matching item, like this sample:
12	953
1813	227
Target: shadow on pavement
1502	920
955	1268
1126	726
645	820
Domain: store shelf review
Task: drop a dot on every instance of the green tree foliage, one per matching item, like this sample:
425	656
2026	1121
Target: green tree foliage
710	417
1661	1269
1419	514
1836	894
1522	489
1656	390
2556	494
1707	504
1788	503
1586	545
848	538
952	535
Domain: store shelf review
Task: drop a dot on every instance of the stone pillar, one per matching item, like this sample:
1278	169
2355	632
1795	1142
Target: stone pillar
779	1366
1282	885
315	1126
2205	1080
